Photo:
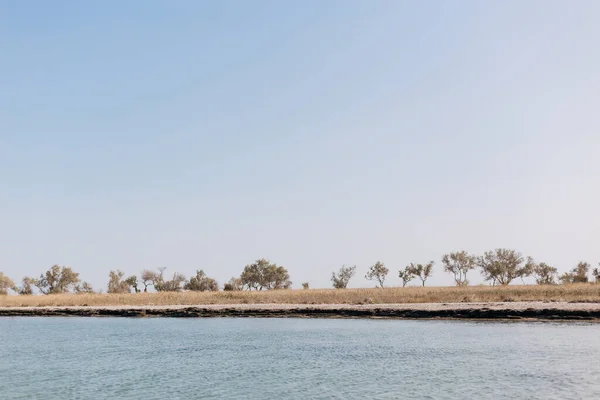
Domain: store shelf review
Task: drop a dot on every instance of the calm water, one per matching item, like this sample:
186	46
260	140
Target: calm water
80	358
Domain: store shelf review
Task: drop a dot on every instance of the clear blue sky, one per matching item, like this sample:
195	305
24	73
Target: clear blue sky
196	134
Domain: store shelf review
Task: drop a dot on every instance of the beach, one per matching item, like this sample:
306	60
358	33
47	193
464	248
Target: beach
476	311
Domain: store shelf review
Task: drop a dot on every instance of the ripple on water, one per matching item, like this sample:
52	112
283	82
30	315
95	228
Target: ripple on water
58	358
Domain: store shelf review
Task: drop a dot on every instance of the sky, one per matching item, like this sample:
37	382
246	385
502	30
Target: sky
206	135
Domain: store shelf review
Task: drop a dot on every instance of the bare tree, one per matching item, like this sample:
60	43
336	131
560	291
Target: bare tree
459	263
502	266
596	274
421	271
57	280
377	272
6	284
340	281
201	283
406	275
543	273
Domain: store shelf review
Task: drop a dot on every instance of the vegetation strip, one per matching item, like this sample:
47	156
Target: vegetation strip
499	267
494	311
574	293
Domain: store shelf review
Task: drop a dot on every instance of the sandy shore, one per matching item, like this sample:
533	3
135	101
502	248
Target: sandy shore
509	310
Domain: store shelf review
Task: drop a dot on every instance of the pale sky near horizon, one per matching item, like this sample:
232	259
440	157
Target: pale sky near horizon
205	135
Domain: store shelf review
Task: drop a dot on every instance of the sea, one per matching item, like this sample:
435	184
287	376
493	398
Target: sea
247	358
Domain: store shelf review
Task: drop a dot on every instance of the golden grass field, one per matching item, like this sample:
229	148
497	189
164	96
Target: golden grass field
563	293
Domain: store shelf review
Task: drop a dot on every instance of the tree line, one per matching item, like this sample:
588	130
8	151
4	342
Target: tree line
260	275
499	267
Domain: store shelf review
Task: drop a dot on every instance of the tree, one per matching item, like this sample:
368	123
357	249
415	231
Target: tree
84	288
377	272
6	284
263	274
26	288
340	281
157	280
502	266
132	281
305	285
116	284
172	285
201	283
543	273
566	278
579	274
57	280
251	277
596	274
277	277
148	278
459	263
234	284
406	275
421	271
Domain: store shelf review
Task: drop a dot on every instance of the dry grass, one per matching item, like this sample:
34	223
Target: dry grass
568	293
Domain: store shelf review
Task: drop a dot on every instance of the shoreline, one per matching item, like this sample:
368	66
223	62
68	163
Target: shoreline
540	311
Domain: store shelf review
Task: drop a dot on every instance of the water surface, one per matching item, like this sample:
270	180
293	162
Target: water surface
120	358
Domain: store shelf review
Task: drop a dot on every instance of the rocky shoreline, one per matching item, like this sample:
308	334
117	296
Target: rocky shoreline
467	311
